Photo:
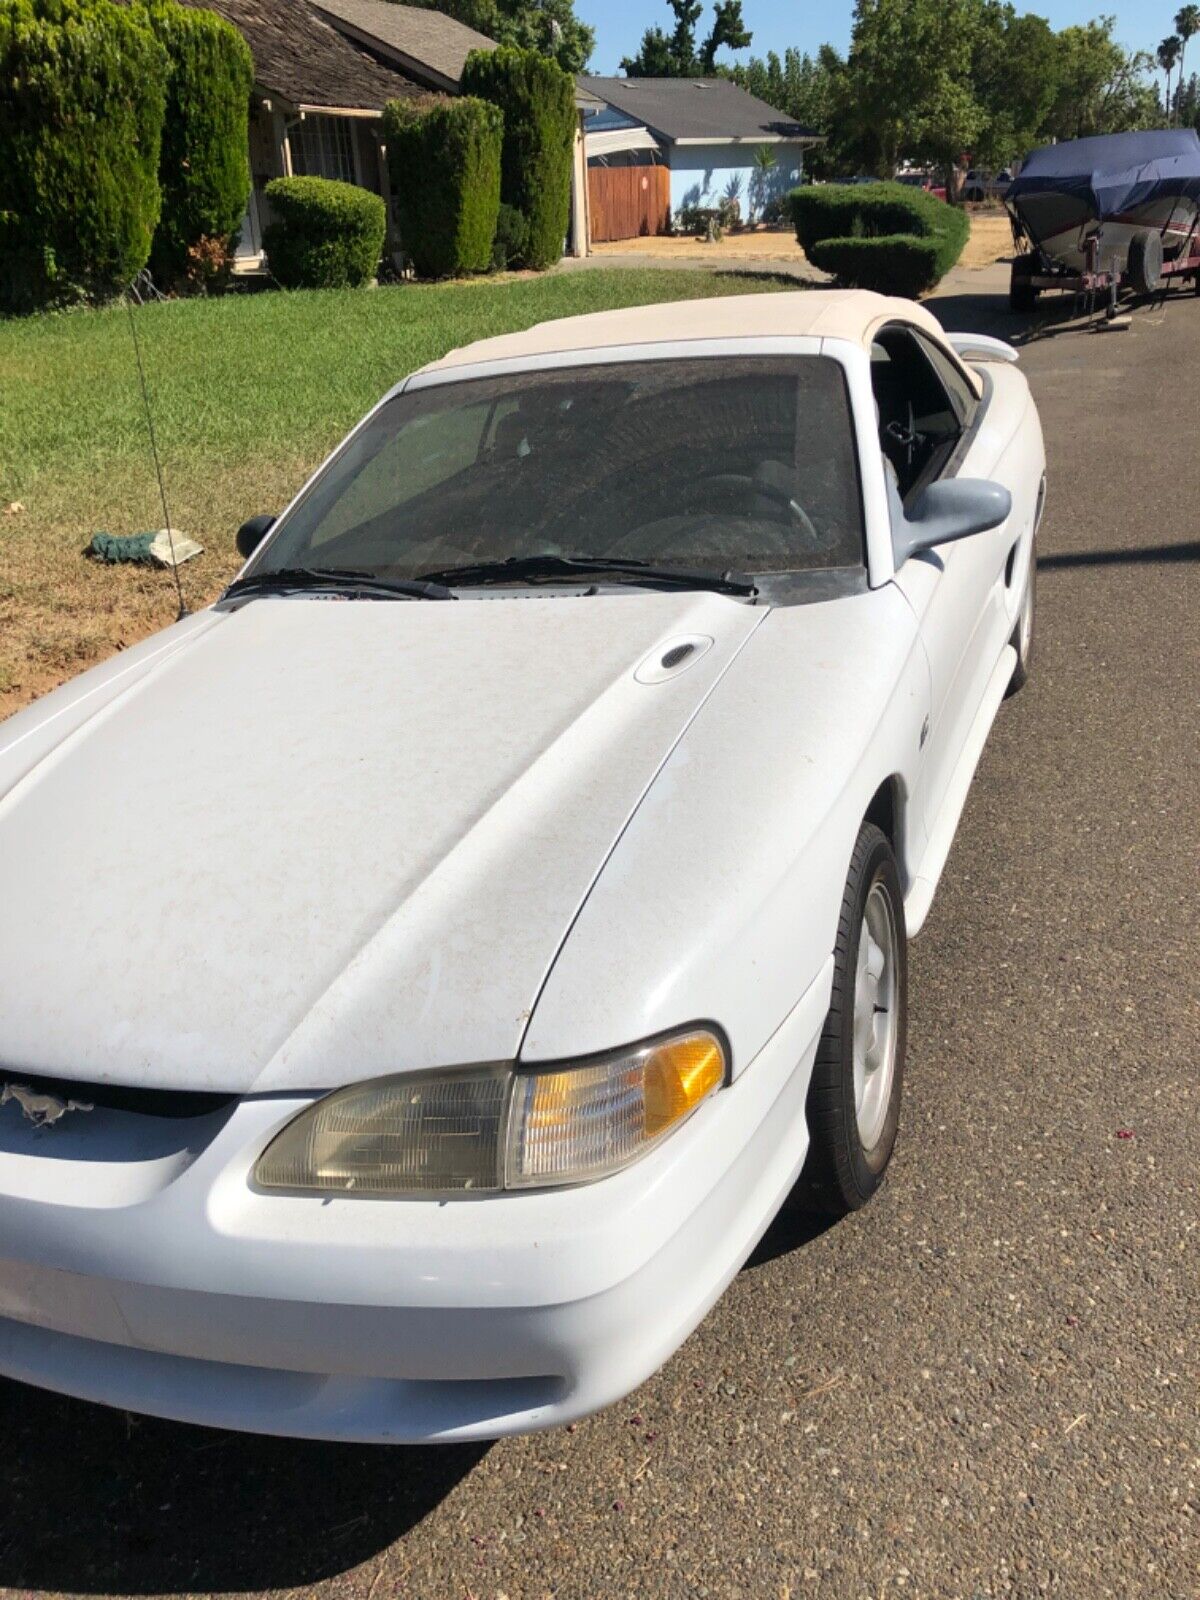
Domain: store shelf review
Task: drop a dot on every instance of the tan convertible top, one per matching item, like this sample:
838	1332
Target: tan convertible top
852	314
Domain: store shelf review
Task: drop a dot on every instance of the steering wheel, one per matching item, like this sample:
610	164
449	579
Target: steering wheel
742	481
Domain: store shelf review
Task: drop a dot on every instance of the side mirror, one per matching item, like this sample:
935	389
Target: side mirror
252	533
953	508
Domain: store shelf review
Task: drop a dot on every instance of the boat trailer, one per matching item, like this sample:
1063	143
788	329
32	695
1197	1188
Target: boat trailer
1145	271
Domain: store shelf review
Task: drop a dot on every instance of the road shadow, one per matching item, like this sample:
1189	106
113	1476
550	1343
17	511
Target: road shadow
791	1230
93	1501
1188	550
1056	316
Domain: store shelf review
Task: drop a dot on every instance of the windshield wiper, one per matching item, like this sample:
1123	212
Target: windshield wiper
343	579
515	568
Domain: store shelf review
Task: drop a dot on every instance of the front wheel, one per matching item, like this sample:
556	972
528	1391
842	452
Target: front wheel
854	1097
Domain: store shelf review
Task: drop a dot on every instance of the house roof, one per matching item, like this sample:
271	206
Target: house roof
698	110
425	42
301	58
852	314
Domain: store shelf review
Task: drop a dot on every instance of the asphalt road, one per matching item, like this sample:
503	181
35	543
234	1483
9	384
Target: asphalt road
985	1385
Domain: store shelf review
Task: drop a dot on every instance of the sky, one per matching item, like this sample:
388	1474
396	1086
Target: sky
776	24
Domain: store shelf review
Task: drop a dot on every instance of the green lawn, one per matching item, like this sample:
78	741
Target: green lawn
249	392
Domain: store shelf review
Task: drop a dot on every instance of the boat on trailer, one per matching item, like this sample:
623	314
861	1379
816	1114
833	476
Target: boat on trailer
1120	210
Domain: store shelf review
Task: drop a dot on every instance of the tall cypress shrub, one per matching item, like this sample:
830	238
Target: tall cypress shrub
203	171
81	116
444	164
538	101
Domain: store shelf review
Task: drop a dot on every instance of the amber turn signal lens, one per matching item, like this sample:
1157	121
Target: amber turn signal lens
575	1123
678	1076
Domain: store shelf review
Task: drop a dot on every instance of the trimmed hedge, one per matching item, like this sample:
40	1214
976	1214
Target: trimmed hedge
882	236
323	234
445	169
898	263
81	115
538	101
203	170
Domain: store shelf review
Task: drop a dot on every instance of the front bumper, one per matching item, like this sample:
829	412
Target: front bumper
166	1284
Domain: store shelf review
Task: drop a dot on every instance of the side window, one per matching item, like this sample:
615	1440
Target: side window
920	422
956	383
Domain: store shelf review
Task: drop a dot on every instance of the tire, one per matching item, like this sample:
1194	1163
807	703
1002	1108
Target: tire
846	1164
1144	265
1022	295
1022	634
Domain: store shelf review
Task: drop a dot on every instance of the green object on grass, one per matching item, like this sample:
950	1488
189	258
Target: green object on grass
115	547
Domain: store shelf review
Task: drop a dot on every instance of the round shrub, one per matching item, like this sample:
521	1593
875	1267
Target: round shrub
445	170
203	170
538	101
323	234
882	236
81	117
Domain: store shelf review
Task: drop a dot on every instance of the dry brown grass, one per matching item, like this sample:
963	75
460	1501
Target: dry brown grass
991	240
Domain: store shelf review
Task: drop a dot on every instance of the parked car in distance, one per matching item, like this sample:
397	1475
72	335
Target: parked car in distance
923	180
980	185
426	972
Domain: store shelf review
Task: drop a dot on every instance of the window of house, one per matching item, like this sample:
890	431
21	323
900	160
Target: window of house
323	147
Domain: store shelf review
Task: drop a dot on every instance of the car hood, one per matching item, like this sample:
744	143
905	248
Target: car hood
315	842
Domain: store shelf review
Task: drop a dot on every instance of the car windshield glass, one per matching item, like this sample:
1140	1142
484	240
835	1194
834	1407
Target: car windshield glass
717	463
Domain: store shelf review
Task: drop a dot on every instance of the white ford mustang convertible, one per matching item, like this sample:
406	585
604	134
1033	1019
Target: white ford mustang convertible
425	973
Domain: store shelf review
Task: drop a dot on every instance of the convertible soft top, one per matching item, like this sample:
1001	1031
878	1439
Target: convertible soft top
1116	172
852	314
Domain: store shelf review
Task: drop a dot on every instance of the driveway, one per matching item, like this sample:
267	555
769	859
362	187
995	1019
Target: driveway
984	1385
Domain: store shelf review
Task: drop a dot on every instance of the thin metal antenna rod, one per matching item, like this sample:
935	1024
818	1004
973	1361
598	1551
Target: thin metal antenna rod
162	492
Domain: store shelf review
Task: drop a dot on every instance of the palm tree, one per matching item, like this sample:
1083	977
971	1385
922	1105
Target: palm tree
1169	52
1187	22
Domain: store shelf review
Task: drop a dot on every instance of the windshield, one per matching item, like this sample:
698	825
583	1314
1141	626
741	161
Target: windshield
722	463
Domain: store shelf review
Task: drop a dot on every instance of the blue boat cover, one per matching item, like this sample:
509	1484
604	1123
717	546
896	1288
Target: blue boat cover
1116	171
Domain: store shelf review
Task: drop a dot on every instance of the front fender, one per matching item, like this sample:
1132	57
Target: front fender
720	901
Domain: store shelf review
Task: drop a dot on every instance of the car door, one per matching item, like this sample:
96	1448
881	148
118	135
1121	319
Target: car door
928	415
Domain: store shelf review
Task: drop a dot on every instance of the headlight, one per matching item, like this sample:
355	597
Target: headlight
495	1127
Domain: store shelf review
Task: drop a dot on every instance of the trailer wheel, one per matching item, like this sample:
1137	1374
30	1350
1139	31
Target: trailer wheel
1144	266
1022	295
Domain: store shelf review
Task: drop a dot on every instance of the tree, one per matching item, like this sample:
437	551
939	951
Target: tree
1169	52
728	30
547	26
202	171
1102	87
675	55
538	101
1014	69
907	89
1187	23
444	162
81	115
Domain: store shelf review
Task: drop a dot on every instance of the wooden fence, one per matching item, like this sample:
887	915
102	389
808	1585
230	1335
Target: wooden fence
628	201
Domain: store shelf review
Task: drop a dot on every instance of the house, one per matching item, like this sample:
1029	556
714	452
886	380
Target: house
315	107
431	49
697	138
426	46
322	76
